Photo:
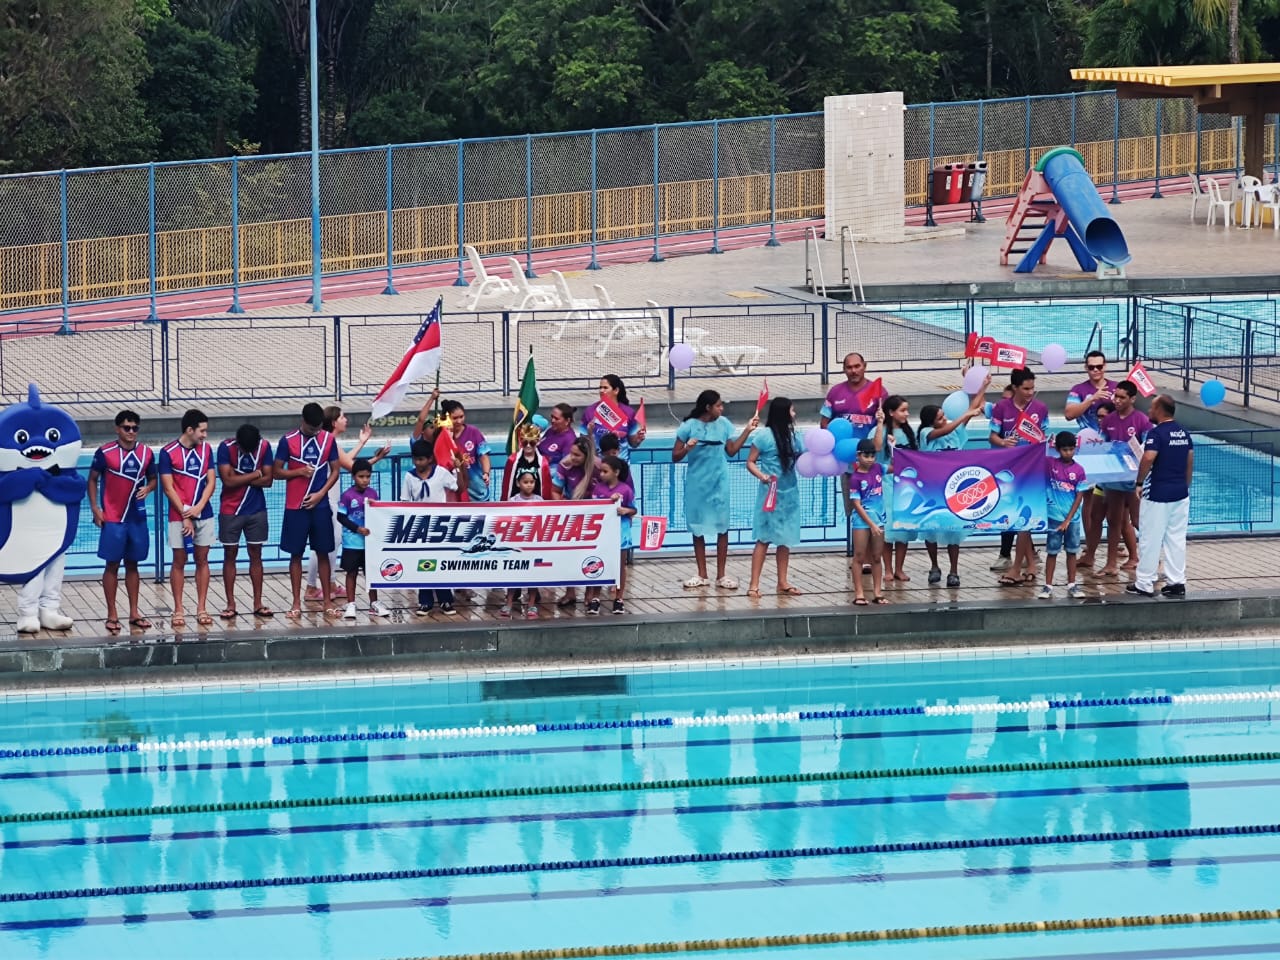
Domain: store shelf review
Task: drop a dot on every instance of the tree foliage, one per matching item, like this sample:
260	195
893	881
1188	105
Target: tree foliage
111	81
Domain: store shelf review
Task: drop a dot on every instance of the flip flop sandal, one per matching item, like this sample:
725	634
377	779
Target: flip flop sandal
753	594
790	591
141	623
263	612
229	613
113	626
294	614
564	603
203	618
880	601
1009	582
179	621
860	601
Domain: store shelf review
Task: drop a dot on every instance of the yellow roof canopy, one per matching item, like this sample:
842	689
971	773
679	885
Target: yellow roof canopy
1199	75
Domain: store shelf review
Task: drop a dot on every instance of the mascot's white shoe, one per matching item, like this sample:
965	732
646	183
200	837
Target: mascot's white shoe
28	625
55	620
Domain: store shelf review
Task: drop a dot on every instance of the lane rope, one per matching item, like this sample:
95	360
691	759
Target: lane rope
709	720
870	936
495	793
549	866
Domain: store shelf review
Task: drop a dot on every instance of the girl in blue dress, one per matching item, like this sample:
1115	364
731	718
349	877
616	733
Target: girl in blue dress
939	433
774	450
897	434
706	438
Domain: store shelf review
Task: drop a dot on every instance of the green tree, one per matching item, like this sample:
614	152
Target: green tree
198	92
70	91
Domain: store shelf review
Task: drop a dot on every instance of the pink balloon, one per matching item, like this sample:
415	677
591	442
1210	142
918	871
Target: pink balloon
805	465
973	379
829	466
1054	357
681	356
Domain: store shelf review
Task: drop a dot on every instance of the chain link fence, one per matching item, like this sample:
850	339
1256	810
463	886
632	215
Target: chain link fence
145	230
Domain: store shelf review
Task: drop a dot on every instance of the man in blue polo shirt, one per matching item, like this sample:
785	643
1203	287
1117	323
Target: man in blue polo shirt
1164	479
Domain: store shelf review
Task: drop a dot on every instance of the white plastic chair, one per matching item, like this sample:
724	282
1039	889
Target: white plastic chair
1246	191
1197	194
485	285
530	296
572	305
1217	201
625	325
1269	198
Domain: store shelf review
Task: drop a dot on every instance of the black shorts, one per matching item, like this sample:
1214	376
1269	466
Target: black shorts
352	561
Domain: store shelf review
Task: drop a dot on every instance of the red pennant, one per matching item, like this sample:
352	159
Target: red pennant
641	418
653	530
1028	429
995	354
1141	379
763	398
610	416
869	397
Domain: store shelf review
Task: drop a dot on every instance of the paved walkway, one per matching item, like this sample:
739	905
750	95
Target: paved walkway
1221	567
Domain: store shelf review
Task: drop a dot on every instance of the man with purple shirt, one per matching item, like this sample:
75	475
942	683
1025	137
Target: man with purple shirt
1125	424
1014	422
855	400
1083	403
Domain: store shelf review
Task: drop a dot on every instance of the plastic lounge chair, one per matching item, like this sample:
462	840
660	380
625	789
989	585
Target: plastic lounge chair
529	296
571	304
629	324
1269	198
1217	201
1197	194
732	358
485	285
1246	191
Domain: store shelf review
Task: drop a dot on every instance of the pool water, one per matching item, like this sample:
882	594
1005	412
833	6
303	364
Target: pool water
644	804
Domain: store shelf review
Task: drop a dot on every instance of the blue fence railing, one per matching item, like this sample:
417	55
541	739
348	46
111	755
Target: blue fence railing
143	231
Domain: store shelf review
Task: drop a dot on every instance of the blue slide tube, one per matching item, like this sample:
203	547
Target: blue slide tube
1076	194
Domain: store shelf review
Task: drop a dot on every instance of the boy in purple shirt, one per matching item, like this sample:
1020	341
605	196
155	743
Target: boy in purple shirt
1067	486
1015	421
1126	423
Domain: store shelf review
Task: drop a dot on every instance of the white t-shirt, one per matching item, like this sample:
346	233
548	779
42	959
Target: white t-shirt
432	490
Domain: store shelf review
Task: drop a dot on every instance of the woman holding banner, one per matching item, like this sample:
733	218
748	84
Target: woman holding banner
706	438
938	433
893	431
775	447
613	414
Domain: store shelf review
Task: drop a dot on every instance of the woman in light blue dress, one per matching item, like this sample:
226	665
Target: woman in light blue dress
897	434
775	447
706	438
939	433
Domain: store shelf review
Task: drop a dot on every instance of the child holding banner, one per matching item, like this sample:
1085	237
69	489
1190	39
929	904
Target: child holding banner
774	450
893	430
525	492
706	438
1067	488
615	484
866	494
938	433
428	482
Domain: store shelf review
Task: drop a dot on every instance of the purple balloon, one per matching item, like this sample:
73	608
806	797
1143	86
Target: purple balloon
1053	357
819	442
806	465
829	466
973	380
681	356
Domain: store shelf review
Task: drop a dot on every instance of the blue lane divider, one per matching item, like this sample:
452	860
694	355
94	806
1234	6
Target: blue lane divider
861	712
604	724
339	737
73	751
1109	702
793	853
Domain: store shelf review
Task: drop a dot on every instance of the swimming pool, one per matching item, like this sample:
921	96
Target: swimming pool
500	810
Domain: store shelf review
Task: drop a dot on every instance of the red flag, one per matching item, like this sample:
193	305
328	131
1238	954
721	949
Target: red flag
872	395
994	353
640	416
1028	429
763	398
610	416
652	532
1141	379
422	357
448	455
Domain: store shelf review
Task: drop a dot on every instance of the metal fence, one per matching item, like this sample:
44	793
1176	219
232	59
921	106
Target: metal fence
143	231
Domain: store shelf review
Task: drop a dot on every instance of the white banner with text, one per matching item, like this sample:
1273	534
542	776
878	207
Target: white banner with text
510	544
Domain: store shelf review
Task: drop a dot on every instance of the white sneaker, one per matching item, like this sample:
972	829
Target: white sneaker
1046	593
29	624
379	609
1075	591
1002	564
55	620
349	612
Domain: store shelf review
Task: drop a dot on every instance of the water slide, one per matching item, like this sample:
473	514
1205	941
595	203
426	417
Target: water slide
1072	187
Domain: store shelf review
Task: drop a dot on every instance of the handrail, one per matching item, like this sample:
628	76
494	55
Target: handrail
846	233
812	237
1095	332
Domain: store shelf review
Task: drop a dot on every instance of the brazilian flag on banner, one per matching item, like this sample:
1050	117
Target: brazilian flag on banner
526	404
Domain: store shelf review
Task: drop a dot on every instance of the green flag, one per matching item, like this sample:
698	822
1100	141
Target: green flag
526	404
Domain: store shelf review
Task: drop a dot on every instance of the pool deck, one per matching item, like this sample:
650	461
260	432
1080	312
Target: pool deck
1234	588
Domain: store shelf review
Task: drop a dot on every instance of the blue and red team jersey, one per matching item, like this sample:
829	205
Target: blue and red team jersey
296	450
190	470
123	473
248	499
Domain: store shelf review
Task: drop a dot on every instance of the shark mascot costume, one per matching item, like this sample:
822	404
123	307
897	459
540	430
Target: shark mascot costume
40	497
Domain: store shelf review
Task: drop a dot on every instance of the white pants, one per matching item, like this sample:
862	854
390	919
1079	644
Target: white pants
1162	525
44	590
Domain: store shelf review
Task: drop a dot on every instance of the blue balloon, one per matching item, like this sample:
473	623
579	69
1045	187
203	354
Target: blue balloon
846	450
1213	393
841	429
987	408
540	421
955	405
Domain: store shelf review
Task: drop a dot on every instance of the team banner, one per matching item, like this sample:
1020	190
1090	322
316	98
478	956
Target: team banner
452	545
973	490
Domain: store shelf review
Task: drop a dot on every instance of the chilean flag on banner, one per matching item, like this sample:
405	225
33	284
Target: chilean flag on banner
422	358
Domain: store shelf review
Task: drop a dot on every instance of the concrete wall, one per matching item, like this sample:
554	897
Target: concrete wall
865	175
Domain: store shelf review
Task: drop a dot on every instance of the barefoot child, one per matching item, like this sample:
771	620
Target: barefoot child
866	490
1067	489
614	484
351	508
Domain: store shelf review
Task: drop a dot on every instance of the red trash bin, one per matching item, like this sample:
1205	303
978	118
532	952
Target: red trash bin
955	183
940	184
